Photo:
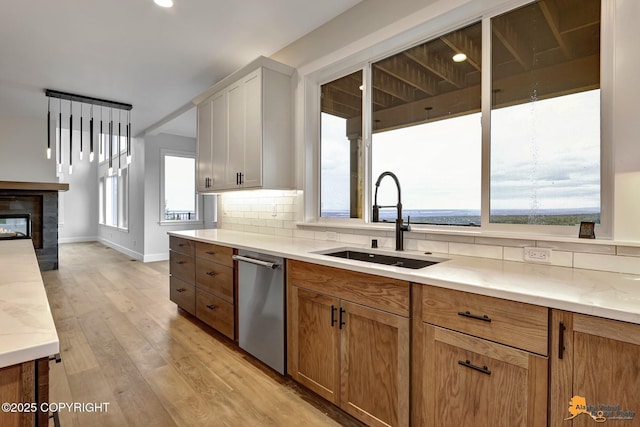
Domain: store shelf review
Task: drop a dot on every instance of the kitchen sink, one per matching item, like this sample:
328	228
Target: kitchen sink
381	258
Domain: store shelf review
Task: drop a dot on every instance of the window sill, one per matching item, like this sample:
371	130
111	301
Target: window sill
169	223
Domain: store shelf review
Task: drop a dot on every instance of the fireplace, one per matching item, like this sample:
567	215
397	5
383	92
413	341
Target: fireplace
15	225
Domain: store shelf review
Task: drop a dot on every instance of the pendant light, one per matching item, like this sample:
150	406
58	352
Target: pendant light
119	139
110	170
70	137
128	137
106	140
49	129
60	138
91	137
81	149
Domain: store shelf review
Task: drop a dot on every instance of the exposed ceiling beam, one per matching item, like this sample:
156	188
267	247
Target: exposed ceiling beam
334	99
460	43
393	87
550	11
512	41
409	73
443	68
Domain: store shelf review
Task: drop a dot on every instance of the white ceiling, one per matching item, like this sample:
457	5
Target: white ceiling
135	52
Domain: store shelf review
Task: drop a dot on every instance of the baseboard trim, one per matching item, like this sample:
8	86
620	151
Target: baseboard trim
135	255
78	239
164	256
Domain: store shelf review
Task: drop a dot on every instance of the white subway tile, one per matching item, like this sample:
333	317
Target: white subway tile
482	251
619	264
513	254
284	232
267	230
562	258
303	234
433	247
354	239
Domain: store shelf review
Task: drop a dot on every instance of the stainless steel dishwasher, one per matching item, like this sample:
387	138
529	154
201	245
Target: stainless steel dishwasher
261	307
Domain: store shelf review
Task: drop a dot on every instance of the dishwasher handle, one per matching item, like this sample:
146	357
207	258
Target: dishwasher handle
271	265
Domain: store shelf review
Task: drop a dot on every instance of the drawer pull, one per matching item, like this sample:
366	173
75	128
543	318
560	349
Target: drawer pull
468	314
341	324
210	253
468	364
181	290
333	315
561	329
210	273
211	307
182	262
180	245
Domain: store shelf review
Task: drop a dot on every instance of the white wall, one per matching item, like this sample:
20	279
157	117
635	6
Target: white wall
78	207
23	145
156	240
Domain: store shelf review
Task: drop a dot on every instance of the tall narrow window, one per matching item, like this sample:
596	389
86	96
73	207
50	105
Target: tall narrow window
341	175
427	130
545	117
111	201
123	198
179	199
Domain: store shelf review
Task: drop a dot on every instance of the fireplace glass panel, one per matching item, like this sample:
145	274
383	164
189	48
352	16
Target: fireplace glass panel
13	225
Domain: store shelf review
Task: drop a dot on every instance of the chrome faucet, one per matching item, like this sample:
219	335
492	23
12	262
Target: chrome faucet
400	227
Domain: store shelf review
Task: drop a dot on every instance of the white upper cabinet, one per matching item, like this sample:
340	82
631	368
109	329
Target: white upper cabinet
244	130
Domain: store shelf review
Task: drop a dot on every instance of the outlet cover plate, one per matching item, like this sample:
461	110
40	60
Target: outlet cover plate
537	255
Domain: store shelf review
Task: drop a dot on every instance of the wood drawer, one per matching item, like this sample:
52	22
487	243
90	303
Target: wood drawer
215	278
516	324
182	267
183	294
386	294
184	246
215	253
215	312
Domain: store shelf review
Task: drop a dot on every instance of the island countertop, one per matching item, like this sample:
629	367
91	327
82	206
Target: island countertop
27	330
610	295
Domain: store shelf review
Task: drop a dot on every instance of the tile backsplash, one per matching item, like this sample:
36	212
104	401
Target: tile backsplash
280	213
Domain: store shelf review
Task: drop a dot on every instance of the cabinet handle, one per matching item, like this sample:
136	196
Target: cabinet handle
182	262
210	273
180	245
333	315
241	175
210	253
181	290
561	329
211	307
468	364
342	311
237	178
468	314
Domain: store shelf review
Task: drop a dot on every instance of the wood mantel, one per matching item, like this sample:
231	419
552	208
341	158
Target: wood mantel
33	186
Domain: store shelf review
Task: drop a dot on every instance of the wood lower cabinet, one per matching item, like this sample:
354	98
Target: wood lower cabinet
595	366
352	355
26	384
203	282
460	379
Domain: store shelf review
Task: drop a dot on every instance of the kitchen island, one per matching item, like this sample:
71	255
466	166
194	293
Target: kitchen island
28	335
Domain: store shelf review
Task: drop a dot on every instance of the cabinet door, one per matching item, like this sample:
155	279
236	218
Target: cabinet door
252	170
219	141
469	381
595	363
236	129
375	365
314	342
204	171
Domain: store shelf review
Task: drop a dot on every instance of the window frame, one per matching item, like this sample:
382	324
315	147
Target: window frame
429	30
177	153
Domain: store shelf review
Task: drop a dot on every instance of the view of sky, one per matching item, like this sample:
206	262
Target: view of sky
545	155
179	183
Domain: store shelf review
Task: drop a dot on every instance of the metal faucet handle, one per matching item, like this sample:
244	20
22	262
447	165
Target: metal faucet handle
407	226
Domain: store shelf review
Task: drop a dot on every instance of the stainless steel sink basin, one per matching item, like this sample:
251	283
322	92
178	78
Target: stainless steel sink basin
382	258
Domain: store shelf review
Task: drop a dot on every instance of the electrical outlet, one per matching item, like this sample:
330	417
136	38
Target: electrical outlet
537	254
332	235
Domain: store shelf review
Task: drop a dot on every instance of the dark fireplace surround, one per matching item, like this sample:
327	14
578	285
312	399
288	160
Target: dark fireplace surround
40	200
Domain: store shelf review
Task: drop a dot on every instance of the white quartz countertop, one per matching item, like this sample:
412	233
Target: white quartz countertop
27	331
610	295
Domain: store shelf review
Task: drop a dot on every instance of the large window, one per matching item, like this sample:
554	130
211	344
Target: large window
178	195
113	189
433	109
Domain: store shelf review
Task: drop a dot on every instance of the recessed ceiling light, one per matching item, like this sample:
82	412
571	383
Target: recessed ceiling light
164	3
459	57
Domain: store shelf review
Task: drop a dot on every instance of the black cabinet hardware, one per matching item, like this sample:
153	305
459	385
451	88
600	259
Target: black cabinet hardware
468	314
182	262
211	307
181	290
210	253
241	176
342	311
561	329
210	273
468	364
333	315
56	357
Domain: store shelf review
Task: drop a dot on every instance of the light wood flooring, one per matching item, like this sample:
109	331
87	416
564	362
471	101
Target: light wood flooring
123	342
